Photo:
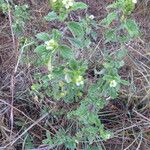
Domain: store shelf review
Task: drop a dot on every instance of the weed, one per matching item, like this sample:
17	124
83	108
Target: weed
66	78
20	15
65	82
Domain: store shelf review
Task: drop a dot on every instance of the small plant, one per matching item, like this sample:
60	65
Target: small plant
20	15
66	79
3	6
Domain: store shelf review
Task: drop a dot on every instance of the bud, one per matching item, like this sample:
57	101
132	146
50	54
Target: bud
113	83
134	1
91	17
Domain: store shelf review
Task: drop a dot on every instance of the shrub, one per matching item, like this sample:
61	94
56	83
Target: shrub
66	78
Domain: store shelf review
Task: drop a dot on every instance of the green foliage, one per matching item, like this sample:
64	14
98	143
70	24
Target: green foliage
82	32
48	140
108	20
79	5
20	17
66	52
29	142
61	9
43	36
51	16
124	28
76	29
131	27
126	6
4	6
66	75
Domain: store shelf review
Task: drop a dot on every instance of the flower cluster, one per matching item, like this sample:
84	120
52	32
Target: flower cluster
113	83
134	1
54	1
91	17
68	3
51	44
78	80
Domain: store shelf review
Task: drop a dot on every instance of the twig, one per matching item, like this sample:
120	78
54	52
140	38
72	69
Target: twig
132	143
10	23
30	127
141	115
139	145
12	78
27	116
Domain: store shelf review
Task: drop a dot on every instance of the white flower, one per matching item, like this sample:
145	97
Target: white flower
113	83
49	66
67	78
77	141
107	136
91	17
134	1
79	81
50	76
51	44
64	2
68	3
54	1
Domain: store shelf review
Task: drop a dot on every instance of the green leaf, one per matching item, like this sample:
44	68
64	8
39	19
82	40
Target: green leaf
43	36
76	29
105	134
110	36
87	42
79	5
51	16
73	64
93	119
29	142
121	54
113	93
123	38
70	143
118	64
131	27
48	134
58	71
113	5
48	140
124	82
62	16
35	87
94	35
94	148
56	34
40	49
76	43
109	19
66	52
108	77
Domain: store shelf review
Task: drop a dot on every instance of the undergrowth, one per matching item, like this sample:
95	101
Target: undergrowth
65	83
66	78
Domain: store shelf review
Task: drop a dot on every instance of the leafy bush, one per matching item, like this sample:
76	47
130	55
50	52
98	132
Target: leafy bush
20	15
66	78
